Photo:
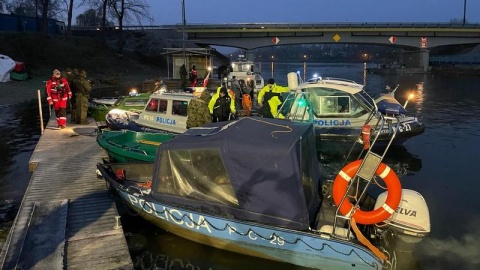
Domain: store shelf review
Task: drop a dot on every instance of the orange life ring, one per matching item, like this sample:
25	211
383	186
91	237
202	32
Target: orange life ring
394	196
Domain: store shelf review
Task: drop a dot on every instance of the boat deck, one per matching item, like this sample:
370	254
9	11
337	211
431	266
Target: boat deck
67	219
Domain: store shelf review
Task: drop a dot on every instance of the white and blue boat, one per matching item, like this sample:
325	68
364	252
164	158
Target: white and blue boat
165	112
262	195
339	109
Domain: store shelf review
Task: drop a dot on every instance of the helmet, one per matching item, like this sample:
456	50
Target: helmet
271	81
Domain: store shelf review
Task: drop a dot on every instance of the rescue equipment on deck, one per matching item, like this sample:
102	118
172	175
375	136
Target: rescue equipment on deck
120	175
247	104
340	186
366	129
147	184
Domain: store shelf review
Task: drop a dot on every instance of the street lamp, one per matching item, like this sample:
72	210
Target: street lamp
272	64
260	64
410	97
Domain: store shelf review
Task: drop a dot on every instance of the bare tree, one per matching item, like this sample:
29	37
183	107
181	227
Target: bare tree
127	10
69	17
100	5
44	9
3	5
90	17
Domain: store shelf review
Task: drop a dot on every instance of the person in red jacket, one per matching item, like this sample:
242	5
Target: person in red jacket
193	76
58	93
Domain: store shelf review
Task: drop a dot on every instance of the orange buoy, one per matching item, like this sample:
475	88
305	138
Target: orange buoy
366	136
246	103
394	196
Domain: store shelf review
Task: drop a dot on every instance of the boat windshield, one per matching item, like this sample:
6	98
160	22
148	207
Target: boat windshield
365	99
197	174
325	102
242	67
129	102
157	105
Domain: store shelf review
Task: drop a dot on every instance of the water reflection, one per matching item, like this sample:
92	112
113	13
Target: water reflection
332	157
20	131
153	248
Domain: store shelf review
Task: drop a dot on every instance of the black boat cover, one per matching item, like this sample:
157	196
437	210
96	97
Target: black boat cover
253	169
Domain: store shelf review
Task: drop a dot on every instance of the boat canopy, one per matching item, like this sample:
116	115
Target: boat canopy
253	169
387	104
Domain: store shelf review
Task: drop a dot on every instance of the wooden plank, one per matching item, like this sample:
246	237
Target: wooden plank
63	164
43	247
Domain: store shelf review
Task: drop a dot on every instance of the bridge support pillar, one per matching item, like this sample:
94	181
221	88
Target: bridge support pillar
425	59
416	60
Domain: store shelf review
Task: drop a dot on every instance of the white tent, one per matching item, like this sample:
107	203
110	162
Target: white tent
6	66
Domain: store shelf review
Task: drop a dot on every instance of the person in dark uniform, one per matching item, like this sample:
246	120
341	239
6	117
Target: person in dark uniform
73	77
271	107
198	113
71	101
83	88
223	106
183	77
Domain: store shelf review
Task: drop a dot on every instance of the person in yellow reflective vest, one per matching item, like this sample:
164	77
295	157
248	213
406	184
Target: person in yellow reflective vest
269	90
270	108
213	104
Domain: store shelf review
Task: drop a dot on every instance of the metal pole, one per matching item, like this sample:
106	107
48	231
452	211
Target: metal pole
304	70
464	10
40	111
184	22
36	16
272	68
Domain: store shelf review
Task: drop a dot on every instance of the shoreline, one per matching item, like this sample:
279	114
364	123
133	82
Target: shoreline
15	92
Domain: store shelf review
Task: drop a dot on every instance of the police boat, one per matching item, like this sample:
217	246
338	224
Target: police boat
165	112
266	197
338	109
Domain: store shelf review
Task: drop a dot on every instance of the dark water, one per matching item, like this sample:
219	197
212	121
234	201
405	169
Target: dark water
440	164
19	133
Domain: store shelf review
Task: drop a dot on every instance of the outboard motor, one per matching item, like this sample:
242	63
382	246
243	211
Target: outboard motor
411	220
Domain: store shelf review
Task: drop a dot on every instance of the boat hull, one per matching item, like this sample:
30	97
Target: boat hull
274	244
408	129
303	248
129	146
98	109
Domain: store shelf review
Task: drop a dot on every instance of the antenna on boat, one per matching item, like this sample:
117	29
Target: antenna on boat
184	22
300	80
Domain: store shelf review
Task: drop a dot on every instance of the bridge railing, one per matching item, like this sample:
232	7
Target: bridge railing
366	25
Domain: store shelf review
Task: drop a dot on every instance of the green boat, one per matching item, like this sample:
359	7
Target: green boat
98	108
127	146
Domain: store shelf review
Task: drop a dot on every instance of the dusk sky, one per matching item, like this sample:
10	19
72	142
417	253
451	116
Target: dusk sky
312	11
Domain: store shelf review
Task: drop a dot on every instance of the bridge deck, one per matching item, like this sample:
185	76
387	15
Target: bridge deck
67	216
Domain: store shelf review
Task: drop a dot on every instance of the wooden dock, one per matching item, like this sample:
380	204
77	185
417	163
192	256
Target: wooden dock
67	219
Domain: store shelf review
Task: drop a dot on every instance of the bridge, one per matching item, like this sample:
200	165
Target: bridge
418	38
256	35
